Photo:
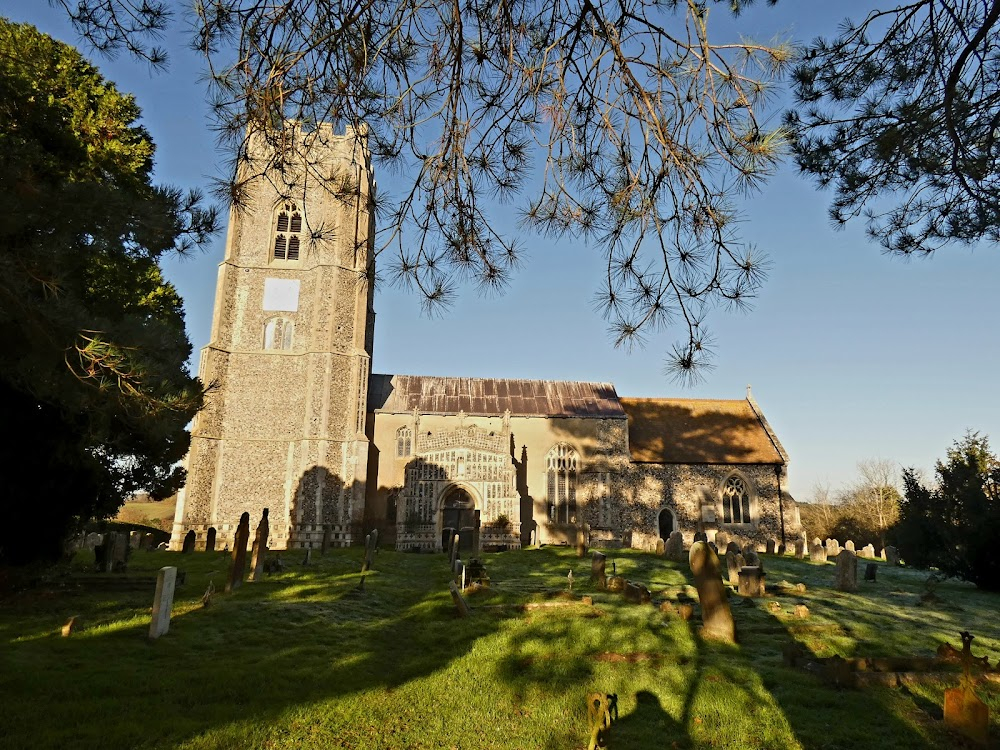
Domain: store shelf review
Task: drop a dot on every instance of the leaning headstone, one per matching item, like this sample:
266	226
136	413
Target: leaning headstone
460	604
67	629
890	555
849	545
327	536
598	562
454	550
870	570
189	540
847	571
210	540
163	602
307	560
751	582
674	548
771	545
717	620
239	559
260	548
460	573
366	565
734	561
817	553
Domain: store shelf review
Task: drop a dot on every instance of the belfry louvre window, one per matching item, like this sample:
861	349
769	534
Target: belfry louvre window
735	501
562	467
404	441
287	232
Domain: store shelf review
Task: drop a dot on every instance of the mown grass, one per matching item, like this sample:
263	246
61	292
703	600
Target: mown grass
302	660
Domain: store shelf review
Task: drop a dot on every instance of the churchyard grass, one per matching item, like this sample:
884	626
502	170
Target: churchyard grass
304	660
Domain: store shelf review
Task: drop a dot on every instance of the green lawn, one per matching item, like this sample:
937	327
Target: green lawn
302	660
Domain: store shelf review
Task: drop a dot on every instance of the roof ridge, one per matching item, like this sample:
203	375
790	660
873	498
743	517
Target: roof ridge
477	377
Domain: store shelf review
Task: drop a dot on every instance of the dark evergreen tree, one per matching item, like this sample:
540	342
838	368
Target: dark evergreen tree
95	394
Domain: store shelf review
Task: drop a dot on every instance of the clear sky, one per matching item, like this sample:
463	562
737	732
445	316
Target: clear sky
852	355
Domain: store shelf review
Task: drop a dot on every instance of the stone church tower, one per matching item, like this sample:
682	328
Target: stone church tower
284	423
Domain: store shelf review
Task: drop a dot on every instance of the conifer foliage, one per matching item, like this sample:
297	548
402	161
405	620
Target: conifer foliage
95	394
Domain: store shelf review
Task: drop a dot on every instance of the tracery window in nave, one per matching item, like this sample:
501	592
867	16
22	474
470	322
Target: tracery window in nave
562	467
735	501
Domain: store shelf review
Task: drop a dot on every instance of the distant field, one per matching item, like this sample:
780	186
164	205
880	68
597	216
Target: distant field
157	514
304	660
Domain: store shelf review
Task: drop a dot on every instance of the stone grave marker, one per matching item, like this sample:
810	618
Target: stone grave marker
460	604
327	536
135	539
817	553
660	548
870	570
716	617
210	540
189	541
454	550
849	545
771	546
699	536
751	582
581	542
734	561
163	602
847	571
890	555
259	548
674	548
238	566
800	548
366	565
782	550
832	548
722	540
460	573
307	560
752	558
598	563
119	553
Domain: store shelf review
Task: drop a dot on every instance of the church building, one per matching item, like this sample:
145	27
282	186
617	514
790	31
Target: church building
295	421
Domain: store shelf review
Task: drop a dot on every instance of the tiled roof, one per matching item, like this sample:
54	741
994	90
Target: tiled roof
492	396
695	431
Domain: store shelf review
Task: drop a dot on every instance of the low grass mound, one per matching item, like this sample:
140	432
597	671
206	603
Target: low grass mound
303	659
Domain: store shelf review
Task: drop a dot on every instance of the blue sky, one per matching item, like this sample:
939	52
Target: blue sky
851	354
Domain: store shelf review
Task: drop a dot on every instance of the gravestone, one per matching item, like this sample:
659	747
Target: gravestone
460	604
847	571
189	540
366	565
660	548
782	550
832	548
751	582
327	535
598	563
210	540
849	545
259	548
238	566
752	558
771	545
734	561
148	542
135	539
816	540
581	542
722	540
119	552
163	602
817	553
717	619
616	584
636	593
674	548
890	555
868	551
454	550
870	570
460	573
699	536
307	560
800	548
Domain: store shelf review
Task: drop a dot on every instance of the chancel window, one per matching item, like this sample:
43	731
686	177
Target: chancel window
278	334
287	232
404	441
735	501
562	466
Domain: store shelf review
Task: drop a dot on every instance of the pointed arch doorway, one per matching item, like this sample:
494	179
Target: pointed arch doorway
459	516
667	523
